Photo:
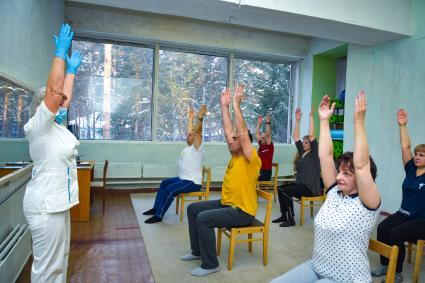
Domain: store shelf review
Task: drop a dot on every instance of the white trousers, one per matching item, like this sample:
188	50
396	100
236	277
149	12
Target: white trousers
50	234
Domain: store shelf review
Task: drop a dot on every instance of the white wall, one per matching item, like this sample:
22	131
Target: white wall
26	42
393	77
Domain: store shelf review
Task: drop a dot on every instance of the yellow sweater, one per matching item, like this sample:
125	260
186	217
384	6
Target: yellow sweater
240	182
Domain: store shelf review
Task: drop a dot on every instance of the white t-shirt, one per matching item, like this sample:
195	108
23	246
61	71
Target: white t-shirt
190	164
54	185
342	230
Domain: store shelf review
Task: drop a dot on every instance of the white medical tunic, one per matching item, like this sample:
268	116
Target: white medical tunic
53	149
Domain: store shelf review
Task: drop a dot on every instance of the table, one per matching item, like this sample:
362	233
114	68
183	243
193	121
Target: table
9	167
85	172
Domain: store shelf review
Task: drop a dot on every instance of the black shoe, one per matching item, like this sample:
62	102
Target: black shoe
280	219
153	219
288	223
150	212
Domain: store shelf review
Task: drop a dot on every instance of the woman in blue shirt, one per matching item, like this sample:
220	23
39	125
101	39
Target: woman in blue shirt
408	223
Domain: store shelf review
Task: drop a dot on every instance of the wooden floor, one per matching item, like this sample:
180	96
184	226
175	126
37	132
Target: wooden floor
108	248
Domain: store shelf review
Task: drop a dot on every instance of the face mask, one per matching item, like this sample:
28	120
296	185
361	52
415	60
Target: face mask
61	115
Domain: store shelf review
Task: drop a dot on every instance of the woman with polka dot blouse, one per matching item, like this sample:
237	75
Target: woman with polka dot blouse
346	219
408	223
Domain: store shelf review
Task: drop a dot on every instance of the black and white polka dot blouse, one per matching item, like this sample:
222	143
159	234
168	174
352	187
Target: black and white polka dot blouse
342	230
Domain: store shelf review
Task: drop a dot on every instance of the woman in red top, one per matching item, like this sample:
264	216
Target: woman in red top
266	149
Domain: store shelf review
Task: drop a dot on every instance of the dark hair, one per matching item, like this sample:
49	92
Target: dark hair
250	136
347	159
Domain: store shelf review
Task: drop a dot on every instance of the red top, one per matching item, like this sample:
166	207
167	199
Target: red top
266	155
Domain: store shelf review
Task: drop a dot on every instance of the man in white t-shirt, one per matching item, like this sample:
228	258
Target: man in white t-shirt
189	177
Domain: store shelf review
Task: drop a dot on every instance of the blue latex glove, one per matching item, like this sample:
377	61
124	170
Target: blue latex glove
73	63
63	42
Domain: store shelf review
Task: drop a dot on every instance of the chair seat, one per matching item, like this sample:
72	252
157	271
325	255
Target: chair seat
254	224
195	194
97	184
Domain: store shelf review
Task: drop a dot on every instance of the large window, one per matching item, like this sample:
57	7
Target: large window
14	109
113	92
189	80
267	91
126	91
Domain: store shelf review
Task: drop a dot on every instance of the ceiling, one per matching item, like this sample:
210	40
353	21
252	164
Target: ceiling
242	14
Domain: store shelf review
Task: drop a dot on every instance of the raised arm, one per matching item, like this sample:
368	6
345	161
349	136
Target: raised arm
72	65
366	187
268	130
190	117
325	145
311	134
257	128
225	115
198	128
240	124
55	83
406	151
296	133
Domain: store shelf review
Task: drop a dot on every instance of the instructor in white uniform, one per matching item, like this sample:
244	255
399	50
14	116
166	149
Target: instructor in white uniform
53	189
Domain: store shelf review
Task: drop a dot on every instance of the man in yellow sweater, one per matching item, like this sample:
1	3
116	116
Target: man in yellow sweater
238	204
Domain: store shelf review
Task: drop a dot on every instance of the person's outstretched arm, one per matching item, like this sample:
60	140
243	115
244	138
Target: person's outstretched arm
72	64
268	130
55	83
257	128
325	146
366	187
198	127
225	100
240	124
296	133
190	117
311	134
406	151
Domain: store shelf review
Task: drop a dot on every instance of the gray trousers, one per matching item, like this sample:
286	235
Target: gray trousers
203	217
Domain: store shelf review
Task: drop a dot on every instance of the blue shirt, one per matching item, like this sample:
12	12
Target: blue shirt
412	205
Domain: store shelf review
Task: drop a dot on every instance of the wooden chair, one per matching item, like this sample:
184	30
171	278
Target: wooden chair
201	195
256	227
389	252
309	202
419	251
101	185
272	184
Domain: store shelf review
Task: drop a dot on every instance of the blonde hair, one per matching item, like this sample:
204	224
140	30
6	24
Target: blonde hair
419	147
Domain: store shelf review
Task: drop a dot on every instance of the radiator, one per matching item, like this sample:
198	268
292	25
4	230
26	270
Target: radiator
15	250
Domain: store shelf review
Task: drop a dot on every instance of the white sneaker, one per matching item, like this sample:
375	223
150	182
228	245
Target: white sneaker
199	271
189	256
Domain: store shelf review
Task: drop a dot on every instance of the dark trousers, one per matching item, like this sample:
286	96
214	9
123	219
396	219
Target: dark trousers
265	175
287	192
203	217
396	229
168	189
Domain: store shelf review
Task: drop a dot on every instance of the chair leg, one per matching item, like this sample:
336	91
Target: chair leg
409	252
182	207
231	249
177	203
265	247
250	242
103	199
302	212
275	193
419	250
311	209
219	234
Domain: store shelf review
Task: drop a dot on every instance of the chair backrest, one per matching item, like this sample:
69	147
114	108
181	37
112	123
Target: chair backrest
206	180
105	172
269	198
389	252
276	172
